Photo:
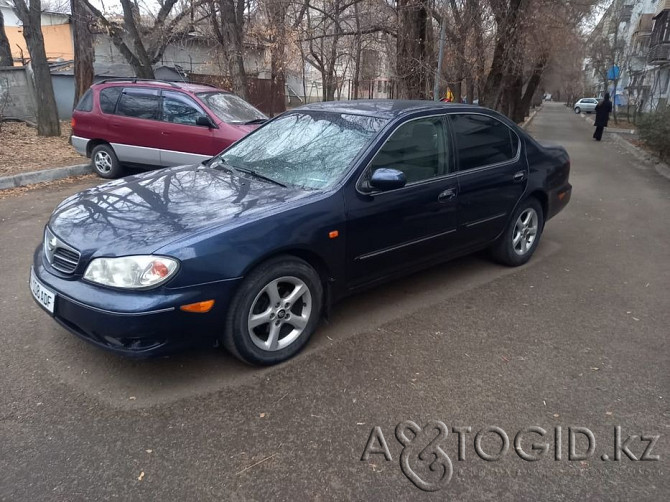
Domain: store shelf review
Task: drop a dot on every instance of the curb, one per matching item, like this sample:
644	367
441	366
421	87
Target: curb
526	123
661	167
57	173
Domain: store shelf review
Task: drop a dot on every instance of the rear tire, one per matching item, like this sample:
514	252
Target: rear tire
105	162
578	110
274	312
521	237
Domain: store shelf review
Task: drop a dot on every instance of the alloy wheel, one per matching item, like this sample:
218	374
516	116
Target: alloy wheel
103	162
525	231
279	313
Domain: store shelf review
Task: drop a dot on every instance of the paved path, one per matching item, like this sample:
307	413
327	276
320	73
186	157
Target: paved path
579	337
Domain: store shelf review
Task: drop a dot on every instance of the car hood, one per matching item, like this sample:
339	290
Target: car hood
139	214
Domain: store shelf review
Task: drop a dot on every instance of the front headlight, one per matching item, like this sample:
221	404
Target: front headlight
131	272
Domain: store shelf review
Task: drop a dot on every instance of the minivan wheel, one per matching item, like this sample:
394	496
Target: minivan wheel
578	110
274	312
520	239
105	163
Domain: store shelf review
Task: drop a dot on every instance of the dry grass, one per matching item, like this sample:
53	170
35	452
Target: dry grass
22	150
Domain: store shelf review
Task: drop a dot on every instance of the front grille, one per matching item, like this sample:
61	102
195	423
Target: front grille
61	256
65	260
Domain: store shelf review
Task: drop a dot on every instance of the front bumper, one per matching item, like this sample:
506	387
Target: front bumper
136	323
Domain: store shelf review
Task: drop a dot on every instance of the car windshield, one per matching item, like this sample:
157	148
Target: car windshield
306	149
230	108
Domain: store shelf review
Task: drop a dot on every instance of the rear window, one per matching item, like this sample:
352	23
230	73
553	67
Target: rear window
231	108
108	98
86	102
482	140
139	103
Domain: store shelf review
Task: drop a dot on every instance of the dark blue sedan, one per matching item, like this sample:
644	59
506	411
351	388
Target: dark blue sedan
250	248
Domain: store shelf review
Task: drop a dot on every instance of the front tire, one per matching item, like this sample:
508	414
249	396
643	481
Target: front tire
274	312
578	110
521	237
105	162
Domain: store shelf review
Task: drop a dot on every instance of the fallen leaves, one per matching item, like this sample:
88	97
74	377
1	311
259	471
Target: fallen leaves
22	150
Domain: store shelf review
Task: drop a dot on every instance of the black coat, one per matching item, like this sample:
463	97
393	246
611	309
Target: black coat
603	110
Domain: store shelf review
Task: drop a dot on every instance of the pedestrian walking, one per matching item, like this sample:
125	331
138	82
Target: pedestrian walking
603	110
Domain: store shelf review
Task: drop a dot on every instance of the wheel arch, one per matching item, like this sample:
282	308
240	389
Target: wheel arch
96	142
313	259
542	199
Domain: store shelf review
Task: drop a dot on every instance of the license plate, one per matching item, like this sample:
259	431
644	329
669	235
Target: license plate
43	295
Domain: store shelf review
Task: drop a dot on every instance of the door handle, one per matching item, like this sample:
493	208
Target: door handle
448	194
519	176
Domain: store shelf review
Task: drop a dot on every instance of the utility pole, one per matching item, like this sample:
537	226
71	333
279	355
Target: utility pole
438	71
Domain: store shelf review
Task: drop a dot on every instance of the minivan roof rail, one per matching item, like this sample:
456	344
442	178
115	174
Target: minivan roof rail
135	80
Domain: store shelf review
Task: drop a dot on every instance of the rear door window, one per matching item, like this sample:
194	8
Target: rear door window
482	140
108	98
86	102
139	103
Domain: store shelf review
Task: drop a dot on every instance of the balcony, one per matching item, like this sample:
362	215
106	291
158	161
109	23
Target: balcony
659	54
659	51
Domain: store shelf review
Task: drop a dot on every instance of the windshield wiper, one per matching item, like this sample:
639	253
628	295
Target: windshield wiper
259	176
255	121
220	163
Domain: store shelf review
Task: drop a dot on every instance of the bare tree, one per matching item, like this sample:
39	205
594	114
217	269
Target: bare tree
413	61
227	18
143	45
84	48
5	50
47	112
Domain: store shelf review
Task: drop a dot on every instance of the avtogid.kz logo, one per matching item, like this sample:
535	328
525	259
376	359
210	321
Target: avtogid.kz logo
424	461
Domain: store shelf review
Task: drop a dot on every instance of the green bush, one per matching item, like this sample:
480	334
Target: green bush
654	130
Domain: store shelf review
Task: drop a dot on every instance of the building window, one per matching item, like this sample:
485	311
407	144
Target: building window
665	30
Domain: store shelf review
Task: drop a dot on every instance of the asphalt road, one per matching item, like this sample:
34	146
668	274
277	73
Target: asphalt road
576	338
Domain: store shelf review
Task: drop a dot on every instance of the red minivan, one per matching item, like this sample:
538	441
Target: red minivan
149	123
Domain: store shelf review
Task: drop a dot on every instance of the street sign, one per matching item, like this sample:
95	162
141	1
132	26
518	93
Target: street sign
613	73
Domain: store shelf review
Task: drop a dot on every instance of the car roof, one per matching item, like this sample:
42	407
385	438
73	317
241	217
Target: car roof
386	108
163	84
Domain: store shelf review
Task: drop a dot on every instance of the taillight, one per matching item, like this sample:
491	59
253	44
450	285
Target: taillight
73	122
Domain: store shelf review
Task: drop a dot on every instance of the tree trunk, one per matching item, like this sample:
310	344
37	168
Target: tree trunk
276	10
359	50
506	42
84	48
470	83
230	34
531	87
515	89
5	51
412	50
47	112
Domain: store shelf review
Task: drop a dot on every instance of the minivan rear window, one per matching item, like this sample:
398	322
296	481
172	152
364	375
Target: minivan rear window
86	102
108	98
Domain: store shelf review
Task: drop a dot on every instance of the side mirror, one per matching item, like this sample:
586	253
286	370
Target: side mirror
205	121
386	178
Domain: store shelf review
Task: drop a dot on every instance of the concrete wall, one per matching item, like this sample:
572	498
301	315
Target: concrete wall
194	56
17	93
